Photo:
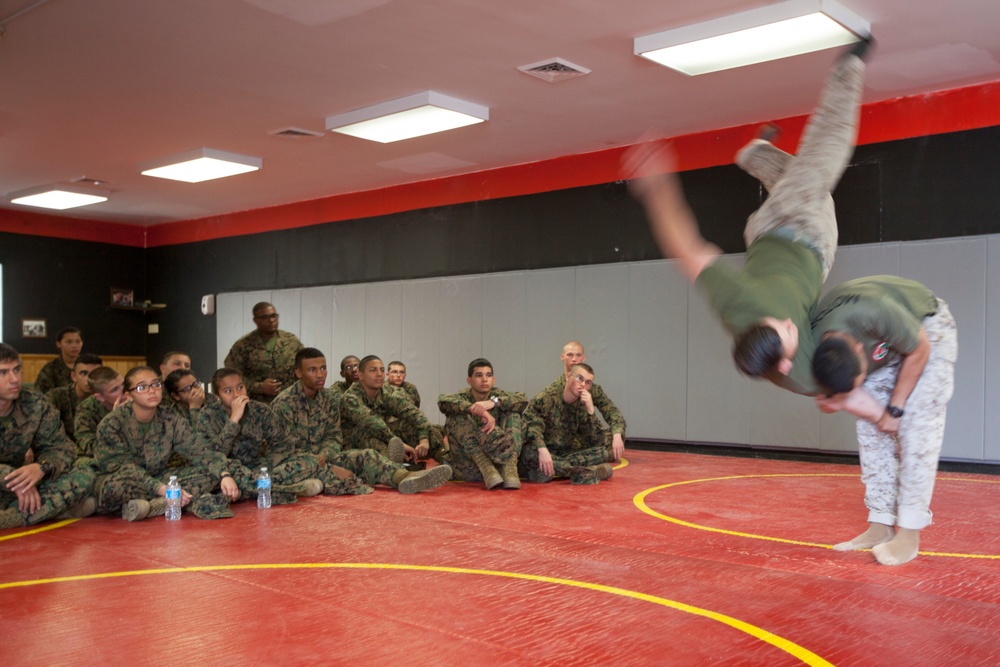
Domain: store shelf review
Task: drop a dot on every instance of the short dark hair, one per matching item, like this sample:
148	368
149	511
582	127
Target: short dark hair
221	374
307	353
396	363
67	331
101	376
757	350
478	363
135	371
173	353
367	360
8	353
259	306
343	362
174	377
88	359
835	366
585	367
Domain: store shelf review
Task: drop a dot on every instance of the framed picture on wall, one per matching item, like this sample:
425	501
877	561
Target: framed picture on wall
33	328
122	298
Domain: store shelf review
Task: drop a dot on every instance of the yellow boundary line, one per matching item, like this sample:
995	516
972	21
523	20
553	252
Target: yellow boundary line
640	501
623	462
806	656
40	529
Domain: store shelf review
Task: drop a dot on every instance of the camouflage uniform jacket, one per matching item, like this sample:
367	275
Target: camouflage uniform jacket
357	412
254	357
89	414
181	410
53	374
65	400
258	435
612	415
121	445
456	404
34	424
411	392
560	426
338	388
311	425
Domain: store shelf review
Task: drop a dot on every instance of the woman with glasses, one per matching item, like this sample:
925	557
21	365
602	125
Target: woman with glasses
135	447
187	392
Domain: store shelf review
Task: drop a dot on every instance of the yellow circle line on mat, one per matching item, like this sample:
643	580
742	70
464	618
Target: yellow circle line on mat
40	529
640	501
622	463
806	656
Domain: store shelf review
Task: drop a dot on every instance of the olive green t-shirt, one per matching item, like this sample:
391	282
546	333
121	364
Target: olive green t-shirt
780	279
884	313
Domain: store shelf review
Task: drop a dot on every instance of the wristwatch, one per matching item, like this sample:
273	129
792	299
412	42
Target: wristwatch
46	469
495	399
894	412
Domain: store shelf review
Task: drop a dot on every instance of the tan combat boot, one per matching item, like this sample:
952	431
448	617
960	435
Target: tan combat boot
491	478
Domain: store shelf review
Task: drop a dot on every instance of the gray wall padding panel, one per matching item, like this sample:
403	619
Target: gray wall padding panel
656	346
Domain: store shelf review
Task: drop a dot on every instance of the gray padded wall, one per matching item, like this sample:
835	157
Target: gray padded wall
657	347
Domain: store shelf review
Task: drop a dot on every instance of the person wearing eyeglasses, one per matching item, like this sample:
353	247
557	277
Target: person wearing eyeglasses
51	485
173	361
265	357
187	393
134	450
349	370
573	354
563	436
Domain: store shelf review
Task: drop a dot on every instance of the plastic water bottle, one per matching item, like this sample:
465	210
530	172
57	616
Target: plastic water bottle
173	499
263	489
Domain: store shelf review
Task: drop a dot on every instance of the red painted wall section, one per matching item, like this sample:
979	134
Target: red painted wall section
890	120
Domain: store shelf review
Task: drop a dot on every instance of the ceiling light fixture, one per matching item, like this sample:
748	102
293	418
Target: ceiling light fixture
59	197
767	33
201	164
407	117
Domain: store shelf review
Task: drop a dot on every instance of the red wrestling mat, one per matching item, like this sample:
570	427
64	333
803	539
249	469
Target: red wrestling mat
679	559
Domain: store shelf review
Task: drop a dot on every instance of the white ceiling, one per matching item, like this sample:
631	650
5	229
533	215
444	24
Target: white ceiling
94	88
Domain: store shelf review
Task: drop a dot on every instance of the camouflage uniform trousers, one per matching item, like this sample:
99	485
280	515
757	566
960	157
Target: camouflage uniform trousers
115	489
465	438
564	459
800	206
898	489
294	469
57	495
367	464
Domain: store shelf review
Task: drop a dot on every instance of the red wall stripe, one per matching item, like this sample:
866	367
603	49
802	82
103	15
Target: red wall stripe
890	120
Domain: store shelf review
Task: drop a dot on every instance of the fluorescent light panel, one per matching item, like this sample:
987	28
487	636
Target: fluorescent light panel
755	36
407	117
201	164
58	197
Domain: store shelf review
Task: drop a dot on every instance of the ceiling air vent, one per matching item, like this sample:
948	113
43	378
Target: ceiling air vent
295	133
554	69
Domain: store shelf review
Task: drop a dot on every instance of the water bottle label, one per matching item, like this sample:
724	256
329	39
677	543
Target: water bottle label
263	484
173	494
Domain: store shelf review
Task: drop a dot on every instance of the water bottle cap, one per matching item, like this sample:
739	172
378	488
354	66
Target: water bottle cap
173	478
263	469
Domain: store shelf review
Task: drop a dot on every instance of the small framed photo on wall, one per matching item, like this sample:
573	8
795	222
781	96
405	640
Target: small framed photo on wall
33	328
121	298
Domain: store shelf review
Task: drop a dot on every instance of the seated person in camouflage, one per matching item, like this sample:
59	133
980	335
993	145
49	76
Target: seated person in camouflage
266	356
68	397
349	366
244	436
51	486
57	372
310	417
135	444
187	393
563	437
396	374
374	415
484	428
173	361
107	393
573	354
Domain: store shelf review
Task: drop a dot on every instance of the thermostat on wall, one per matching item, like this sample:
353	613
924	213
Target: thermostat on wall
208	304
